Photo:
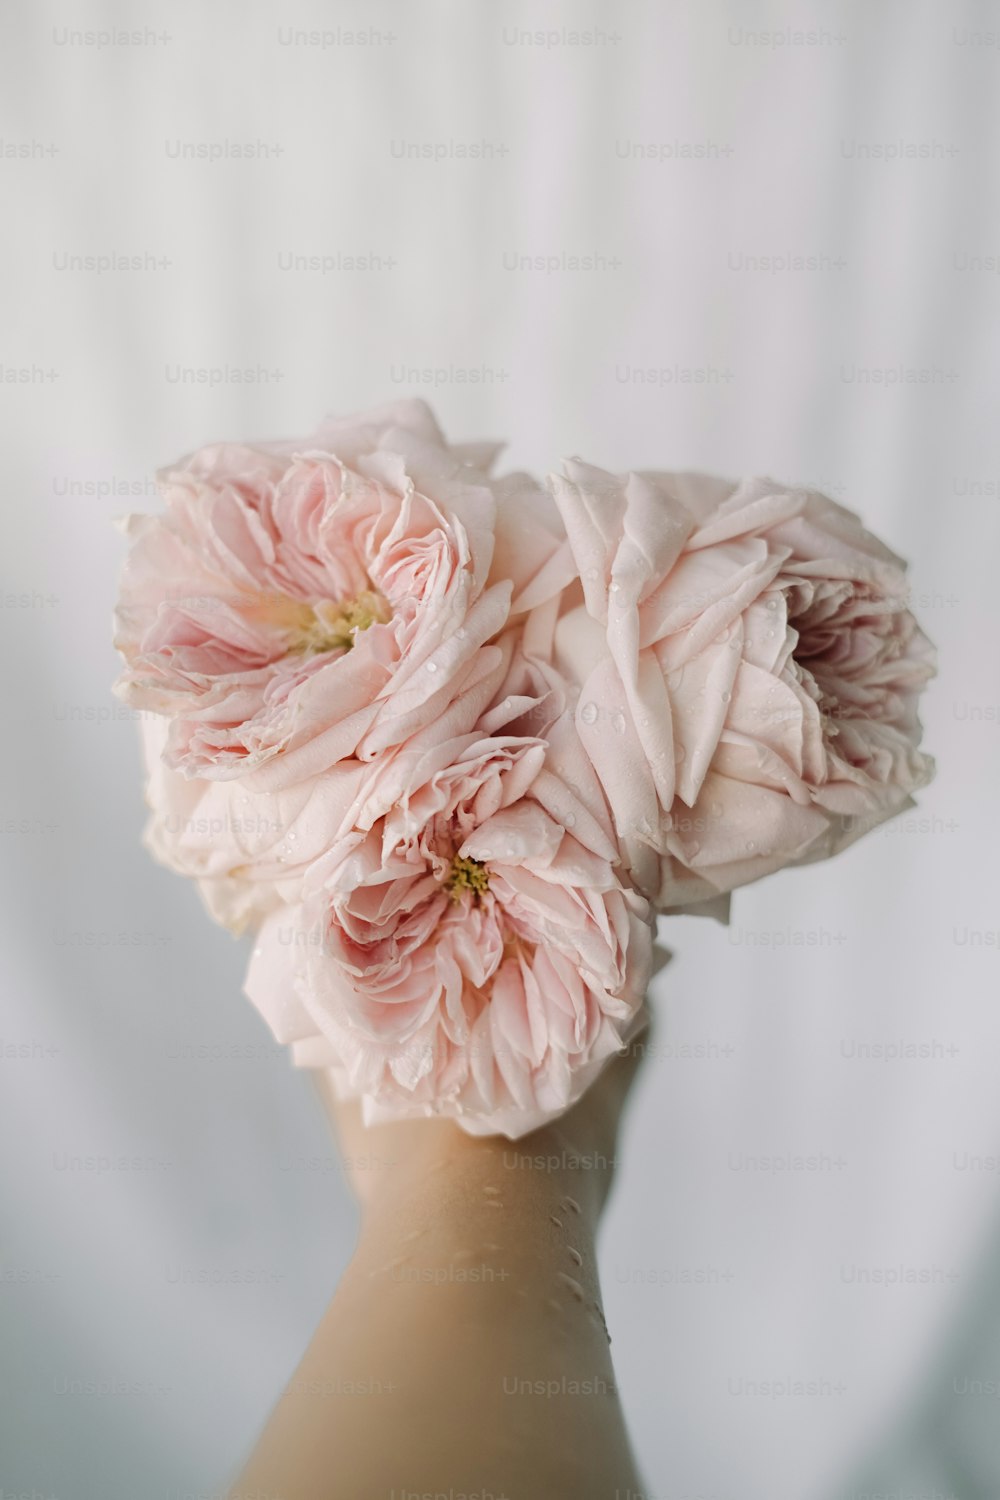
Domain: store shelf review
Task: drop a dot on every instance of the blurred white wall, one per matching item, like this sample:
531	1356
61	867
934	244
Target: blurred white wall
793	228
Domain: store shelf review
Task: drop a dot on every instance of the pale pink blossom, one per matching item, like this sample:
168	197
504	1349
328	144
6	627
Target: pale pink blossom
295	605
749	673
467	948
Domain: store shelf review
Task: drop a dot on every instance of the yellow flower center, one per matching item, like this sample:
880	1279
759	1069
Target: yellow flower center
328	626
467	875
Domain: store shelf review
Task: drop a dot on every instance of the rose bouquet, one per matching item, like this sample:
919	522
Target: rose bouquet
448	743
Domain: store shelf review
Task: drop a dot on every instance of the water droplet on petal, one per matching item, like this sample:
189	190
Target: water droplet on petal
589	713
726	697
751	846
432	666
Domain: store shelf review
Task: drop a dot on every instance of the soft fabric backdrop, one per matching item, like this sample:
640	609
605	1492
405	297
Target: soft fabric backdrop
777	1175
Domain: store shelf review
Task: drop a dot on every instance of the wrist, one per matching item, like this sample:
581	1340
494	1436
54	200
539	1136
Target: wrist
442	1178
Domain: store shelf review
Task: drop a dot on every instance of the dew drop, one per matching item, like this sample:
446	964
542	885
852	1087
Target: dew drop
432	666
750	845
555	1221
571	1204
571	1285
618	722
589	713
574	1256
493	1191
726	697
292	834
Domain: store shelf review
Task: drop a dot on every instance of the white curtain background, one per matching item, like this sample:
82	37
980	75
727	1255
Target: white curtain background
791	218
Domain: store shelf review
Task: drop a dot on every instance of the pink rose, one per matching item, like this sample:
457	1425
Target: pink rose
749	673
295	605
466	947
